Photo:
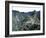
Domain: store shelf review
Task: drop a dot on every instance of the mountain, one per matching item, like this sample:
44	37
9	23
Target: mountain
25	21
28	13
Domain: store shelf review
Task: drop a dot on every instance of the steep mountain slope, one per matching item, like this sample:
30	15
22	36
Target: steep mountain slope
25	21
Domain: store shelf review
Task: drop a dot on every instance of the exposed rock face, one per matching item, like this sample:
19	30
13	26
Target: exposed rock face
25	21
